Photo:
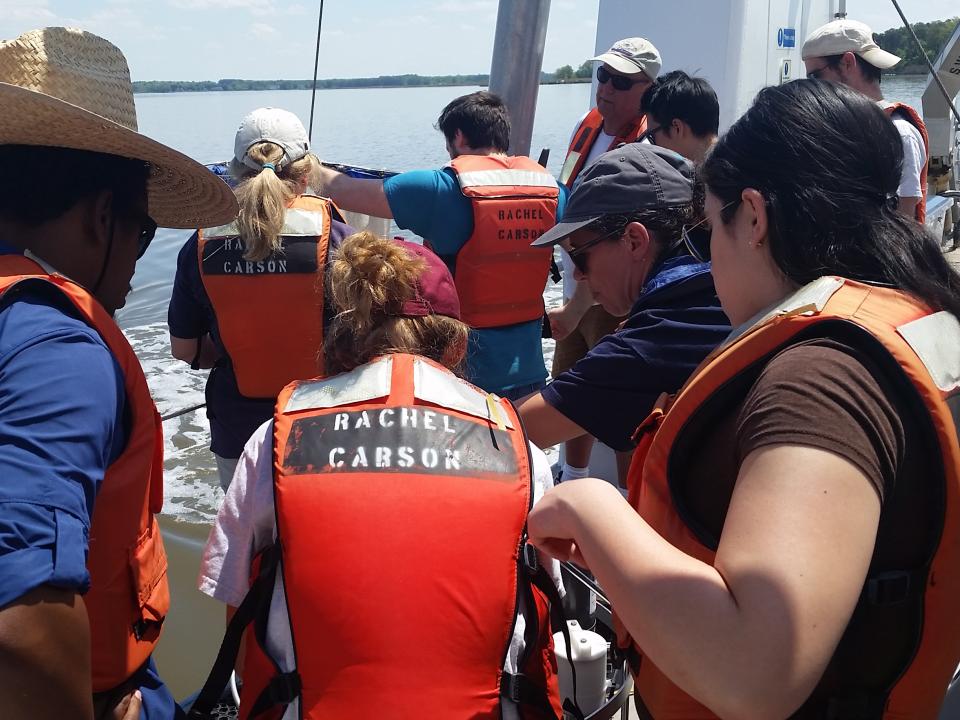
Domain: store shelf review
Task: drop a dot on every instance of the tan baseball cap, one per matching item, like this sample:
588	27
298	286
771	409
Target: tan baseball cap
841	36
631	56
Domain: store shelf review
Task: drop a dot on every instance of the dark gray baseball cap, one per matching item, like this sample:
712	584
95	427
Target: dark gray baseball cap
632	177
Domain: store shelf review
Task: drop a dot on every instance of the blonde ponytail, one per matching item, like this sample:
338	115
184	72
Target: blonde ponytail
265	196
370	278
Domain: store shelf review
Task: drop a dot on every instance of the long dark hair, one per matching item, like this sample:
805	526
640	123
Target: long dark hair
827	161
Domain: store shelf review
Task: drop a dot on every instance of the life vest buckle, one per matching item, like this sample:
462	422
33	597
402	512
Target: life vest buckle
889	588
530	562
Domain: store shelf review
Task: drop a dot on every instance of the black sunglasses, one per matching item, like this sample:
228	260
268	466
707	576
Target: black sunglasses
696	237
148	229
619	82
579	254
651	135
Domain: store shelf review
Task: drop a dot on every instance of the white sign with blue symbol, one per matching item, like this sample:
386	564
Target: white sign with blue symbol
787	37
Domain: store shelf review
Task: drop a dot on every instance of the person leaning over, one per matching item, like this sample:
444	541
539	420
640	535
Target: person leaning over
246	295
844	51
479	214
397	503
83	586
791	549
683	115
624	73
623	228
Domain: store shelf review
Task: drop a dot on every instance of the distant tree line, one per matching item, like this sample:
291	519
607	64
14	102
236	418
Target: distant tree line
229	84
933	36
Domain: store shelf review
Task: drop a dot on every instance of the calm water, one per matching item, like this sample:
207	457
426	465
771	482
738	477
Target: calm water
382	128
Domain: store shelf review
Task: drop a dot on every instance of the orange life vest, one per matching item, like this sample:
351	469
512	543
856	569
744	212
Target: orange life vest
387	481
584	138
128	598
499	277
917	346
914	118
270	312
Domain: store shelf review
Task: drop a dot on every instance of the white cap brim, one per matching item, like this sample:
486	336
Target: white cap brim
879	58
620	63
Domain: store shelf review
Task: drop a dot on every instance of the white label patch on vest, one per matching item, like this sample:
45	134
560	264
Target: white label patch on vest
936	341
224	256
443	389
364	383
413	440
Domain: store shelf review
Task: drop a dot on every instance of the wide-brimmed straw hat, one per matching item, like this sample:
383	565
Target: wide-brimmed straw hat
61	87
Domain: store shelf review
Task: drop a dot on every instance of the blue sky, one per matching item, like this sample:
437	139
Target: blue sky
264	39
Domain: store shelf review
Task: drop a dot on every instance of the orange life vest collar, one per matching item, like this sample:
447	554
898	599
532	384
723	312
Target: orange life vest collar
923	344
270	312
407	465
128	598
586	135
514	202
914	118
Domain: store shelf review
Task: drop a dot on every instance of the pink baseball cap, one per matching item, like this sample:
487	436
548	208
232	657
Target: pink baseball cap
436	292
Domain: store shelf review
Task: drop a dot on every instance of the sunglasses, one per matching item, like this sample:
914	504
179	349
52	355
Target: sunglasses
651	135
579	254
148	229
619	82
696	237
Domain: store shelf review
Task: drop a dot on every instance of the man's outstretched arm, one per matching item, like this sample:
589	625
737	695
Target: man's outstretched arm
354	194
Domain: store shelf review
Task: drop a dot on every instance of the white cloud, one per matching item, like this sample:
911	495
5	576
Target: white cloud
27	12
466	6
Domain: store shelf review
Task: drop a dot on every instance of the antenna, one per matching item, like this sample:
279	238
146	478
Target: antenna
316	64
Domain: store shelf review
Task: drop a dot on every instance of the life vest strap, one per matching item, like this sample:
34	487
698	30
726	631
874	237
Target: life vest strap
256	602
857	706
282	689
539	577
521	690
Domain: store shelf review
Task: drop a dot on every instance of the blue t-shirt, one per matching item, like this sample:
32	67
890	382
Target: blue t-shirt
233	417
62	422
430	203
671	328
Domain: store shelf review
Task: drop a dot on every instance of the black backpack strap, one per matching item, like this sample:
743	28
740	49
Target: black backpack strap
541	579
255	604
523	691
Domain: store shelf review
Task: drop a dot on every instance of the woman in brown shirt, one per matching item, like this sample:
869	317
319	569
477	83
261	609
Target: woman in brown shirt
810	490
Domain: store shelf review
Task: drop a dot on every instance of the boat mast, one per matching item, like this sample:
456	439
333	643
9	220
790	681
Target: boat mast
517	62
842	10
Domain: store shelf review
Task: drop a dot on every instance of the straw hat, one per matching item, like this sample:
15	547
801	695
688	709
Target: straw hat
68	88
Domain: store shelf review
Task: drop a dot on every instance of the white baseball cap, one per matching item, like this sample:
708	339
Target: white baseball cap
280	127
631	56
842	36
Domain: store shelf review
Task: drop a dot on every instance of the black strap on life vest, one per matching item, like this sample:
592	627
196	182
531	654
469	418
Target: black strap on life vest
255	609
519	688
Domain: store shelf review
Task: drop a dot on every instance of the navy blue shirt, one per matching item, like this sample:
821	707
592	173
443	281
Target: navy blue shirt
233	417
671	328
62	422
431	204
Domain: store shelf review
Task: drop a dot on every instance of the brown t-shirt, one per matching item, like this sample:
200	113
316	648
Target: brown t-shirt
830	395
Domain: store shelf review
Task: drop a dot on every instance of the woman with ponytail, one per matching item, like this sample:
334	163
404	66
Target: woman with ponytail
248	296
384	509
792	545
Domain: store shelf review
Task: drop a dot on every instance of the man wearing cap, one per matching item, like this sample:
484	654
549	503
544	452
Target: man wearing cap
845	51
624	73
479	214
623	228
83	590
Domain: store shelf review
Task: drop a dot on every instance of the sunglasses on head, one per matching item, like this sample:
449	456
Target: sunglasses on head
579	254
619	82
696	237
